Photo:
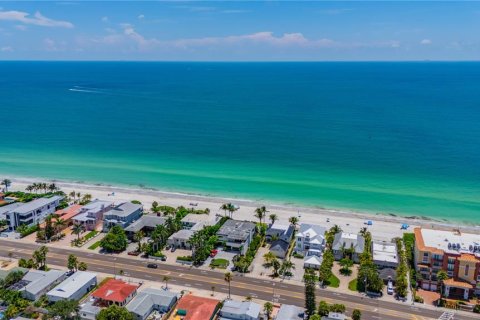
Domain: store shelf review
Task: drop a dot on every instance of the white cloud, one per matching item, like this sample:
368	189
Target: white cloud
140	17
6	49
426	42
104	19
38	19
21	27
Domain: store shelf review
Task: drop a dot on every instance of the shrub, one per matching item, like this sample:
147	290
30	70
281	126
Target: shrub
298	255
185	258
418	299
94	246
476	309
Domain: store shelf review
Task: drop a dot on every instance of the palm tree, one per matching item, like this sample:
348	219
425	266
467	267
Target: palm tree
336	229
228	278
137	237
77	229
287	267
261	213
59	223
231	208
86	198
7	183
224	207
273	217
293	221
269	257
29	188
441	277
73	195
52	187
213	290
166	279
82	266
72	262
268	308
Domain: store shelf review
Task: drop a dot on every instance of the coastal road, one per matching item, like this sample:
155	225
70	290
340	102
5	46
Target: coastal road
190	277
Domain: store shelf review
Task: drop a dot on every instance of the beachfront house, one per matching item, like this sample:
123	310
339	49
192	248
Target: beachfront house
237	235
279	231
36	283
150	300
454	252
122	215
67	214
32	212
74	287
348	244
91	215
310	236
191	223
146	224
385	255
180	239
240	310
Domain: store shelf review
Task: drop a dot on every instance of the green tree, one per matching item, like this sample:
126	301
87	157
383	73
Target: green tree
441	277
286	268
72	262
82	266
155	208
273	217
315	317
310	304
52	187
323	308
356	314
6	183
115	240
49	229
230	207
268	308
114	312
58	224
228	278
261	213
337	307
346	264
138	237
293	221
40	257
77	229
64	309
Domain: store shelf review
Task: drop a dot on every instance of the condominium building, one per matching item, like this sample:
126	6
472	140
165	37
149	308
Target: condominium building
32	212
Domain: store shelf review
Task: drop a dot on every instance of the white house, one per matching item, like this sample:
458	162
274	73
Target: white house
385	255
32	212
36	283
310	236
149	300
240	310
74	287
348	241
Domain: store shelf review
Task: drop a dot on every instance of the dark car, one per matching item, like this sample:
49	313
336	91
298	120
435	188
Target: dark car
173	249
163	258
152	265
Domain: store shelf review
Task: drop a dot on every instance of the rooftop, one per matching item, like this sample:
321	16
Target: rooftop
349	240
69	212
289	312
72	284
312	231
196	218
37	280
124	209
149	297
114	290
147	220
197	308
96	205
10	207
182	234
238	308
385	252
37	203
439	241
236	229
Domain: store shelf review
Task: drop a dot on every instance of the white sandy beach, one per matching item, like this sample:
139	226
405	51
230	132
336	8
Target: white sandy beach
384	227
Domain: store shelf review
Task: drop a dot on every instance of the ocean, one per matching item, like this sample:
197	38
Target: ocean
397	138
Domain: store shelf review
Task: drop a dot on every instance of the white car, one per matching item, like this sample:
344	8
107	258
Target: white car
390	287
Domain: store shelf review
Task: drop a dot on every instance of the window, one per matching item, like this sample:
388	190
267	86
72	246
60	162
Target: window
425	256
466	269
450	267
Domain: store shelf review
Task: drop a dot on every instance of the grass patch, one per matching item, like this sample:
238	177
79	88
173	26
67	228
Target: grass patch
219	263
333	281
90	235
95	245
352	285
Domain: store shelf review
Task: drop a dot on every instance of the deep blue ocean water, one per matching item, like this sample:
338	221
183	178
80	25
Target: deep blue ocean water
399	138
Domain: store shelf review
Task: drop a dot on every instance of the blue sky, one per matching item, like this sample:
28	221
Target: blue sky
246	31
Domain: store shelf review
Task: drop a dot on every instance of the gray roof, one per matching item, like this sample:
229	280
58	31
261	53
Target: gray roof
349	240
10	207
235	229
37	203
387	273
72	284
39	280
145	221
146	299
124	210
182	234
315	232
289	312
279	245
239	308
96	205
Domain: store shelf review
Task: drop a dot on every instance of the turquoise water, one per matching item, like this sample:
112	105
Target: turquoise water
398	138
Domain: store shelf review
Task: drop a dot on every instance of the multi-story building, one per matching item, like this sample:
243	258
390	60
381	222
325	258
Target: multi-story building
456	253
122	215
310	236
32	212
91	215
351	243
237	235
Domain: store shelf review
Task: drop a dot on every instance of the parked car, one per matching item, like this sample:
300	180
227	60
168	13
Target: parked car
390	287
173	249
69	273
163	258
213	253
152	265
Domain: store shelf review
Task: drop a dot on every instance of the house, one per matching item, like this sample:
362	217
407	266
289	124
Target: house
289	312
32	212
454	252
385	255
146	224
180	239
278	231
344	242
313	259
68	213
89	310
279	248
196	222
240	310
237	235
122	215
310	236
74	287
387	274
192	307
91	215
8	208
115	292
36	283
335	316
149	300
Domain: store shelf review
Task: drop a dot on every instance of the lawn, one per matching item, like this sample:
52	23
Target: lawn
352	285
90	235
219	263
95	245
333	281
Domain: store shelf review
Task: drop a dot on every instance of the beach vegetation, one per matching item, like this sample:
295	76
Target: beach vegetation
273	217
230	208
6	183
260	213
115	240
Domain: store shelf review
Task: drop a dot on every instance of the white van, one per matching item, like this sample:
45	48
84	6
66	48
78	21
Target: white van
390	287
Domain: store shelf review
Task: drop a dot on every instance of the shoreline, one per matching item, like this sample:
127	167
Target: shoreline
388	225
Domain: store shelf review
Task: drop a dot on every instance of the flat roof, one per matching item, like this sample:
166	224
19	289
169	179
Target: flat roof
124	209
39	280
96	205
236	229
196	218
146	299
10	207
197	308
385	252
440	239
182	234
37	203
147	220
290	312
240	308
72	284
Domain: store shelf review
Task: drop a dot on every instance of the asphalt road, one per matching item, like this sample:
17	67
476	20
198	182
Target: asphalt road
189	277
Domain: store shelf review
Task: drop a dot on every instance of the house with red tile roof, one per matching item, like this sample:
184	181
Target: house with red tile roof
115	292
192	307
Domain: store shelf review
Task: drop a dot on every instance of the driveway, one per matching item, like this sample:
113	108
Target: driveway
220	255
